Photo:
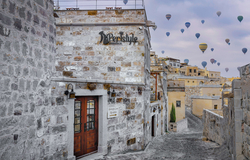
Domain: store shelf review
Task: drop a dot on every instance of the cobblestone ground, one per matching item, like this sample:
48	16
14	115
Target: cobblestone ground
187	145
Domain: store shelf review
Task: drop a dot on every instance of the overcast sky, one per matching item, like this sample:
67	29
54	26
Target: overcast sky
213	32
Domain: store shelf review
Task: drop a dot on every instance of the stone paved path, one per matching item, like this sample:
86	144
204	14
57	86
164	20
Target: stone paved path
187	145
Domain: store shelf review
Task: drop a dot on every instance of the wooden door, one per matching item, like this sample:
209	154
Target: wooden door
85	125
153	126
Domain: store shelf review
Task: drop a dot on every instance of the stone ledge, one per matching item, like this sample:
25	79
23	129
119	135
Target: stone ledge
102	24
81	80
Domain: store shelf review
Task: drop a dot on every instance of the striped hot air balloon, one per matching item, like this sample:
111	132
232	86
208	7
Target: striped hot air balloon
203	47
168	16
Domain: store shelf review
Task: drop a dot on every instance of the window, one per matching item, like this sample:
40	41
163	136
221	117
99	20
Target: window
207	74
178	103
90	115
193	81
199	74
175	72
215	106
174	64
213	94
188	81
212	75
194	70
170	64
77	123
190	70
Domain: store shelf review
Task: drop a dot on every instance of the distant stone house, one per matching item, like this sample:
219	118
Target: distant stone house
105	55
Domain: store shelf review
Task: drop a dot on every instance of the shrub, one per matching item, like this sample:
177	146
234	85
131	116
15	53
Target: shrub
172	114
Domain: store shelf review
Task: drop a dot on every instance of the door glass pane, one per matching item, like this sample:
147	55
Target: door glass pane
77	128
91	118
77	113
77	104
77	120
92	111
91	104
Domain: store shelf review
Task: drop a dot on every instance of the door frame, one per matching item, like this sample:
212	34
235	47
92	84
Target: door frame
102	119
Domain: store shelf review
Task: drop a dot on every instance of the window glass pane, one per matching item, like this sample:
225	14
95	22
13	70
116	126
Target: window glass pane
77	120
77	113
77	128
87	111
77	104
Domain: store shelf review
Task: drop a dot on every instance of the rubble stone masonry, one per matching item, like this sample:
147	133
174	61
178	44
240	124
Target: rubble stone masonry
32	123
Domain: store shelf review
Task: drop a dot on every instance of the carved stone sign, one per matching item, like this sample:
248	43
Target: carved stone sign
110	38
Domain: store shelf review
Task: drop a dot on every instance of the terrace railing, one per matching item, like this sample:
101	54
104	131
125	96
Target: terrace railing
97	4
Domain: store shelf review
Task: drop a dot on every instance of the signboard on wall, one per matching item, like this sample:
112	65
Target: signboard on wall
110	38
113	112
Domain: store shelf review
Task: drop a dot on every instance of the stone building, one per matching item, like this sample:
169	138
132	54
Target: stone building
102	58
204	102
105	55
32	123
233	129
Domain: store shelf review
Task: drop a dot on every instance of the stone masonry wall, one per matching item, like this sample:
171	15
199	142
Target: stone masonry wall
82	55
212	128
189	91
31	121
241	90
130	120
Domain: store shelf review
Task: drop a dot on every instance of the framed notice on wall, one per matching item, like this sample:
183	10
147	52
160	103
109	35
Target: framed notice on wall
113	112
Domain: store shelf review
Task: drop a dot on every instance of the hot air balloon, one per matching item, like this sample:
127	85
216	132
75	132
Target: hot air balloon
212	60
212	49
240	18
186	61
204	64
197	35
228	43
154	27
187	24
218	13
162	52
182	30
215	61
244	50
168	16
226	69
227	40
238	68
167	33
203	47
218	63
202	21
125	1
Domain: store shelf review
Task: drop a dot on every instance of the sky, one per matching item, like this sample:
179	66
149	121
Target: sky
213	32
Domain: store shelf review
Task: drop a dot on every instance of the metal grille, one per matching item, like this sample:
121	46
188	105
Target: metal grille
97	4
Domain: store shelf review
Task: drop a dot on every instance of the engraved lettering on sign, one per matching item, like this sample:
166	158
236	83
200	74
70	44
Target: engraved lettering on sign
106	39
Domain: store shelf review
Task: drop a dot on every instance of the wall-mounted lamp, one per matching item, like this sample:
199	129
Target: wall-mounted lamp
113	94
71	94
